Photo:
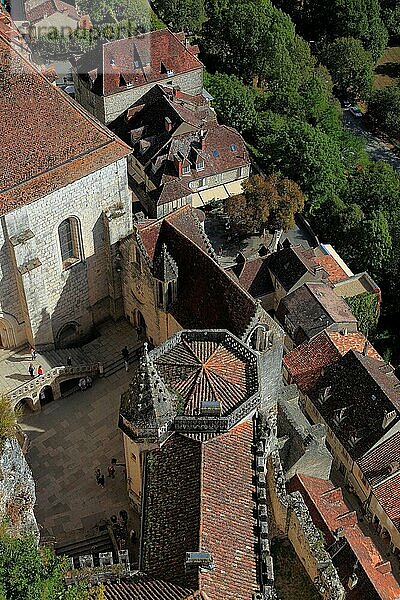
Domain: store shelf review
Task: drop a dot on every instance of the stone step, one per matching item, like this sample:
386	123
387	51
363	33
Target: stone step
92	545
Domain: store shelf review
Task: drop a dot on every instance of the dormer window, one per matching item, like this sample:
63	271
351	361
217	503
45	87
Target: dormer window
170	72
200	165
136	63
186	169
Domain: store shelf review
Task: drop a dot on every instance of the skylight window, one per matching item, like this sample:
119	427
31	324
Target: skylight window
215	153
233	148
136	63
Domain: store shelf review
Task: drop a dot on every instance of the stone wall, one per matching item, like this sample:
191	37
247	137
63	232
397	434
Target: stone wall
108	108
140	296
17	490
293	519
36	290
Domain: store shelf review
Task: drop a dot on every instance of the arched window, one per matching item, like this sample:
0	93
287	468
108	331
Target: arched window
69	238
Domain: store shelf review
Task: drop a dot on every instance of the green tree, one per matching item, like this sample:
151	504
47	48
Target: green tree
186	15
257	42
390	12
375	245
351	68
308	156
8	419
376	187
384	108
266	202
234	102
365	308
30	572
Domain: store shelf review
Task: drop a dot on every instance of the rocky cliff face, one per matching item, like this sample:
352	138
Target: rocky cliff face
17	490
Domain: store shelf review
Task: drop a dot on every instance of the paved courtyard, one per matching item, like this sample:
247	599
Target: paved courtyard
70	438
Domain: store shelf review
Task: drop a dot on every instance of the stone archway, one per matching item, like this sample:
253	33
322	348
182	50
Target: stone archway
46	395
25	405
67	335
7	334
139	323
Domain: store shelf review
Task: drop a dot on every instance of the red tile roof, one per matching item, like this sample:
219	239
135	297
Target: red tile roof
158	55
145	589
305	363
184	219
37	12
387	493
202	370
329	264
58	143
200	497
377	462
327	501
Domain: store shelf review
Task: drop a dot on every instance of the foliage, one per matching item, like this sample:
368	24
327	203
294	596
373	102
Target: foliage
255	41
376	187
8	419
390	12
365	308
308	156
35	573
234	102
186	15
266	202
384	108
114	11
351	68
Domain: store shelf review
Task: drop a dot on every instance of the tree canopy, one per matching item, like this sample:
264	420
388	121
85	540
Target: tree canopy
234	102
269	202
384	108
351	68
30	572
186	15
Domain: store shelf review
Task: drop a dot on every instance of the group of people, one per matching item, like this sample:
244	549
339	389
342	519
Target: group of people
32	368
85	383
100	479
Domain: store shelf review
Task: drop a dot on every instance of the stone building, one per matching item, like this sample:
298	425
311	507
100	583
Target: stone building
181	155
113	76
65	204
46	16
189	436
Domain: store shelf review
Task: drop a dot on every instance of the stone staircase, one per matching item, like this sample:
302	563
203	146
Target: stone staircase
100	542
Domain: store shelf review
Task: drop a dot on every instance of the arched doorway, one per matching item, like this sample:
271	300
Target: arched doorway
68	335
139	323
46	395
7	337
24	406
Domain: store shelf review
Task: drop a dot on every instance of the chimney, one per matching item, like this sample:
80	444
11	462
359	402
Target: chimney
388	417
178	165
365	349
202	139
167	124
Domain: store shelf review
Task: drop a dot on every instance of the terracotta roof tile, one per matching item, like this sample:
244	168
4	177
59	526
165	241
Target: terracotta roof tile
305	363
329	264
143	59
37	12
59	142
377	463
199	497
327	504
290	264
254	276
202	370
354	395
387	494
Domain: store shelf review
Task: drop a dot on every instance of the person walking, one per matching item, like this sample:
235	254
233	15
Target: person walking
33	354
31	370
99	478
125	356
69	361
40	370
111	471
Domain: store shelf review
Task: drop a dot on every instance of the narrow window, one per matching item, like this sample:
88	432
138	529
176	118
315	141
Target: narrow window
69	239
